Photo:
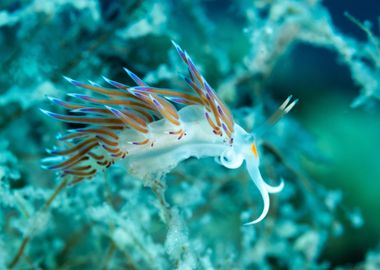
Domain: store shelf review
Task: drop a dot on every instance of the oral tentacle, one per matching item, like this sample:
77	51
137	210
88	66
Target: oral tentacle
263	187
231	160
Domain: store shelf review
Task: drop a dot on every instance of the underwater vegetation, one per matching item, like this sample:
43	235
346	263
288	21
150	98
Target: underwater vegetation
146	172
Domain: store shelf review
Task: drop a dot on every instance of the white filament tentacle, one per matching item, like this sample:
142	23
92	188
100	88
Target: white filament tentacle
263	188
230	159
275	189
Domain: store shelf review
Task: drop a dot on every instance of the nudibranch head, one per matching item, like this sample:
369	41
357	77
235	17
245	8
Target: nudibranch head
142	125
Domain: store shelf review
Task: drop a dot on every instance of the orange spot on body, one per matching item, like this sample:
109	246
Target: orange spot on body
254	150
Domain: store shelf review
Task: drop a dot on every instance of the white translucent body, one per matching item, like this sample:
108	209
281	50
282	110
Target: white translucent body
165	151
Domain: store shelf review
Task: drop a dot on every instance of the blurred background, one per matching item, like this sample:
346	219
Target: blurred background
251	52
348	136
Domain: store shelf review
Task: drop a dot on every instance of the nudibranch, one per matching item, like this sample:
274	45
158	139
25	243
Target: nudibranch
142	126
